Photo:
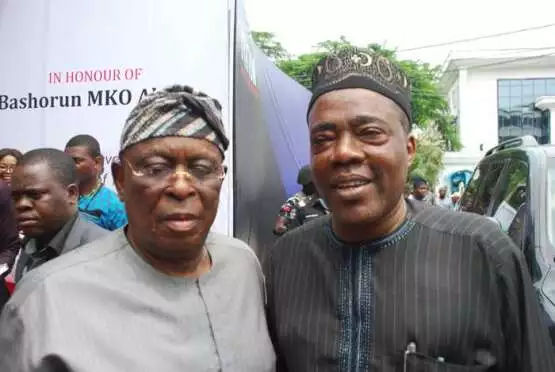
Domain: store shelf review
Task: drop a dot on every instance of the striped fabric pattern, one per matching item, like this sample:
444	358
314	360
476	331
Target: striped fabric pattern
176	111
449	291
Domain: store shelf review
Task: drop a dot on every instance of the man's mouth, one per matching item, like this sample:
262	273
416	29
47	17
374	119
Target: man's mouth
351	184
180	222
27	222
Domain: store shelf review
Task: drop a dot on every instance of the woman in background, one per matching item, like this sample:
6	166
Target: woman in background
8	161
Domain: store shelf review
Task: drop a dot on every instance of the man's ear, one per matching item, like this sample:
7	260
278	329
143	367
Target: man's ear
99	164
73	193
411	147
118	175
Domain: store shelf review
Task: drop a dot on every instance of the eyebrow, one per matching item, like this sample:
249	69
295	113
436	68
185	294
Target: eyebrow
166	154
322	127
357	121
363	119
29	189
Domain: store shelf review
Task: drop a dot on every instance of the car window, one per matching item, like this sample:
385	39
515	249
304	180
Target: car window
551	199
477	197
510	200
469	196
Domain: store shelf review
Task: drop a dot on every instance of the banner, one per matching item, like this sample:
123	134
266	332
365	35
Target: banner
78	67
271	139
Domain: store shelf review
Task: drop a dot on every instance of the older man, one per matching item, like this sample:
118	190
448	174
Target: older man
163	294
384	284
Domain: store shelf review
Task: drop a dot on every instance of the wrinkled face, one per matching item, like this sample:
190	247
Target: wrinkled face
170	212
360	154
43	205
7	166
88	167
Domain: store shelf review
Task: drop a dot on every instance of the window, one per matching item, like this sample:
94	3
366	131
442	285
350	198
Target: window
516	114
469	195
511	209
482	185
512	195
551	200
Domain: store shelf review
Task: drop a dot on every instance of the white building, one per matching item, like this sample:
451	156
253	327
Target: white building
496	96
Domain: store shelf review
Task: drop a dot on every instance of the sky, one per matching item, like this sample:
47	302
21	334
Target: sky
403	24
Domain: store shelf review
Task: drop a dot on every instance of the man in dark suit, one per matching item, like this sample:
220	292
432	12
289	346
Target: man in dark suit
45	193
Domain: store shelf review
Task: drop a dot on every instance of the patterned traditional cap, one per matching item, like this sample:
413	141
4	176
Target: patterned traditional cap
177	111
358	68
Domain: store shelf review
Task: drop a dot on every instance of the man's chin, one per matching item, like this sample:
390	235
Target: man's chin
32	232
177	240
171	250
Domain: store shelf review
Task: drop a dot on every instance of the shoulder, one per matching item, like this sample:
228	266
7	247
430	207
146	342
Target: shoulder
297	198
310	233
67	267
89	230
448	221
112	197
478	230
107	191
5	194
4	189
229	245
111	194
290	202
232	250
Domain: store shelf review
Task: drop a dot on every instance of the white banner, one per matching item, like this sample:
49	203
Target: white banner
72	67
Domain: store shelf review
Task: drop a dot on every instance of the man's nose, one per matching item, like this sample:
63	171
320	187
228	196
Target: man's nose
182	184
23	203
348	149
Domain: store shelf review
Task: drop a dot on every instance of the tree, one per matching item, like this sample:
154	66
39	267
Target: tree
428	160
428	104
267	42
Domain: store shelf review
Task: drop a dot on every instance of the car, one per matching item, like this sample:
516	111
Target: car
514	185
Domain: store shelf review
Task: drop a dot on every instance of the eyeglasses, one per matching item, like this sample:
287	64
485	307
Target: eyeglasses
7	168
160	173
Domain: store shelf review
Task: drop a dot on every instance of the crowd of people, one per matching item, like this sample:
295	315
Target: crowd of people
369	280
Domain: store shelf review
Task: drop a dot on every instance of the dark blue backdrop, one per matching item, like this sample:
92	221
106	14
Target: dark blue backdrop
270	139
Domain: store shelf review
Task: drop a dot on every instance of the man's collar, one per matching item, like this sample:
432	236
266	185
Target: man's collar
57	243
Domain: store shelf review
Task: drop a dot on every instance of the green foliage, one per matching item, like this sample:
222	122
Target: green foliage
300	68
269	45
428	160
429	108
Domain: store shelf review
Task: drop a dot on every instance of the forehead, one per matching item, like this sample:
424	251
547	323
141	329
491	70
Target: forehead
8	159
33	175
78	151
340	106
175	147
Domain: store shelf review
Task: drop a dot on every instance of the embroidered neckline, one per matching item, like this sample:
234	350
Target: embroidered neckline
387	241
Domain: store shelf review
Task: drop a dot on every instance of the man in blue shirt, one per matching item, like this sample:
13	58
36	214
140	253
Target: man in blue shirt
97	202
